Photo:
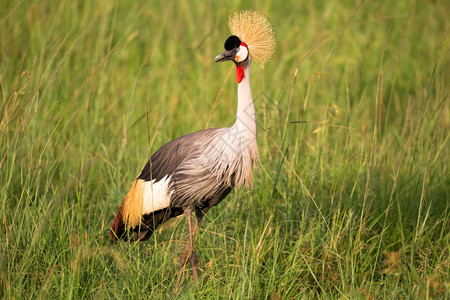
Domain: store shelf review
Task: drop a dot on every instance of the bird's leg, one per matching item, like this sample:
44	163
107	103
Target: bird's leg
193	259
188	252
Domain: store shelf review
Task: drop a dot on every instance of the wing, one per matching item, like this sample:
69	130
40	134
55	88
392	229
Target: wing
190	165
165	162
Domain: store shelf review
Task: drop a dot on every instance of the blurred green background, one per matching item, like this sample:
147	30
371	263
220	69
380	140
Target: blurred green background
351	202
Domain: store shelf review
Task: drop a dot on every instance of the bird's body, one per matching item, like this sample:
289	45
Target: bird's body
195	172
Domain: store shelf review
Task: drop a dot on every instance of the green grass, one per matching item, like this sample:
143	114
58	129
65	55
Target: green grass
354	203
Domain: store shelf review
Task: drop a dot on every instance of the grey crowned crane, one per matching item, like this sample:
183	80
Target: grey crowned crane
195	172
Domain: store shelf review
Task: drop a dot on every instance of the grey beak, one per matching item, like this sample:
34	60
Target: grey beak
227	55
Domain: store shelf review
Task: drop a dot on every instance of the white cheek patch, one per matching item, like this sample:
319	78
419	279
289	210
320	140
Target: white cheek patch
242	54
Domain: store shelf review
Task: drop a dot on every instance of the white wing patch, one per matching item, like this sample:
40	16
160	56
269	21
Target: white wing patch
156	195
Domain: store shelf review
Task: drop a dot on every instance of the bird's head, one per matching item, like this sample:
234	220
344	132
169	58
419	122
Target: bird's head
235	50
252	38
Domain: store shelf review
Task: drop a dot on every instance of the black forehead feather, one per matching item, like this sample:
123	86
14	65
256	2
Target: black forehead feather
232	42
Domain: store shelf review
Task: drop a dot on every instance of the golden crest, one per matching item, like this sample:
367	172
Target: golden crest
253	28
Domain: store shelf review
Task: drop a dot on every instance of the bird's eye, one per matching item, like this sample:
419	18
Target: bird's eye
237	49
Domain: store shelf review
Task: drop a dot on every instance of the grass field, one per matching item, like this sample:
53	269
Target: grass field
351	203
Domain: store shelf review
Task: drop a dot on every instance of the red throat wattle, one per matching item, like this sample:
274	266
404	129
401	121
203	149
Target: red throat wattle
239	73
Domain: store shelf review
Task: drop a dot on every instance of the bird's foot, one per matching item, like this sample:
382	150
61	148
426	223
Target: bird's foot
194	264
183	260
188	253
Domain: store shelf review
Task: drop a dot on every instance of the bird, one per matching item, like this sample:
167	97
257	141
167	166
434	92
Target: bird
193	173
